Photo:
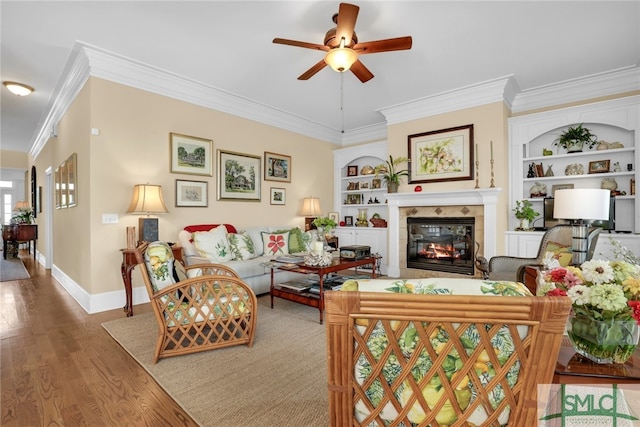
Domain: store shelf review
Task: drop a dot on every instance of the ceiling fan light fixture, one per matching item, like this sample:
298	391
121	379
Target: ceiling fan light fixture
18	88
341	58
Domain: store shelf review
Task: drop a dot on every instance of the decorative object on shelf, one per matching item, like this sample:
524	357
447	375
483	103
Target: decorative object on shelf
616	167
333	216
532	171
361	219
629	167
549	171
354	199
390	174
547	152
574	169
575	138
599	166
377	221
538	190
367	170
609	184
578	205
192	193
238	176
352	186
615	145
602	145
477	167
418	188
492	184
557	187
147	199
604	325
191	155
632	185
348	221
277	167
525	213
441	155
352	170
376	183
363	185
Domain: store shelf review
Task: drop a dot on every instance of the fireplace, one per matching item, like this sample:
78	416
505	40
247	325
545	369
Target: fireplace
441	244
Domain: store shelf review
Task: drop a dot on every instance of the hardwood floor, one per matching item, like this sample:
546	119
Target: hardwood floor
60	368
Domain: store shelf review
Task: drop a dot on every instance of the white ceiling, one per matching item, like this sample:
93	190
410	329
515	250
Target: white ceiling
227	45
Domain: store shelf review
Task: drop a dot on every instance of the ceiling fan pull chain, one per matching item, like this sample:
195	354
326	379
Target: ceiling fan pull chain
342	98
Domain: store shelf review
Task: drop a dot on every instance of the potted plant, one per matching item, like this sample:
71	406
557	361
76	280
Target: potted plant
525	213
389	172
574	138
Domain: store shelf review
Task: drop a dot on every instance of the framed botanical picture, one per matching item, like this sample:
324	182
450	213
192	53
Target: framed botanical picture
560	187
278	196
277	167
334	216
441	155
352	170
191	155
348	221
599	166
192	193
238	176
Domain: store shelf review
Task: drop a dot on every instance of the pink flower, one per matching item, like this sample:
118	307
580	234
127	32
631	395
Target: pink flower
275	243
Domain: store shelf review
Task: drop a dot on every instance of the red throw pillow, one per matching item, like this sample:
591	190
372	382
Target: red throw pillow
206	227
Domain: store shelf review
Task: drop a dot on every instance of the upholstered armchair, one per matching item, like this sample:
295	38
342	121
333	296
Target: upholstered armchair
213	309
557	239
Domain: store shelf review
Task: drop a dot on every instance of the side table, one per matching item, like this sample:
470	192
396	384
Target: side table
129	263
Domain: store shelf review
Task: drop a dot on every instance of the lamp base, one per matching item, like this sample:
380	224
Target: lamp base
579	243
147	229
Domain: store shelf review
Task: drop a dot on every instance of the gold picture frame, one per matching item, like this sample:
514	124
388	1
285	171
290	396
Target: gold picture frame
191	155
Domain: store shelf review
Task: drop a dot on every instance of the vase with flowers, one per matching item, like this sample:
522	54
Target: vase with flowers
604	324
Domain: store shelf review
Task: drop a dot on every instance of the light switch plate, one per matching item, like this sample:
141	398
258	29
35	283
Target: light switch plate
110	218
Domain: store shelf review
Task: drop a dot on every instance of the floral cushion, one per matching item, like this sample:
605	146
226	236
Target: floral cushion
560	252
378	341
213	244
275	243
241	246
296	240
158	259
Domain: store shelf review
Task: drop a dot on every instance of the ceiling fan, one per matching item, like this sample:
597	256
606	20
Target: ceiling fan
342	47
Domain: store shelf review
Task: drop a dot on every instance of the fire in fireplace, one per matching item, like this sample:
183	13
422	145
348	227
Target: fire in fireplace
441	244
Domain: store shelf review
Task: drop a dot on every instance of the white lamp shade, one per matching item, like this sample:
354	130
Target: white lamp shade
310	207
341	58
147	199
581	203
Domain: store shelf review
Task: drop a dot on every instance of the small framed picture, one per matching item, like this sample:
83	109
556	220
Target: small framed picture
192	193
348	221
599	166
277	167
354	199
334	216
376	183
352	186
278	196
363	186
560	187
352	170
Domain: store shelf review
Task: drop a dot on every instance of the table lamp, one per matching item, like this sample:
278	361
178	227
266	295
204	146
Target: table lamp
146	200
578	205
310	210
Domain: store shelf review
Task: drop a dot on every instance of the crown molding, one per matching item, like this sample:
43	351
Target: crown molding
374	132
501	89
609	83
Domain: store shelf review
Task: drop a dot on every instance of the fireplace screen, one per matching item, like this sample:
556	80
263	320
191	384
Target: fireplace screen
441	244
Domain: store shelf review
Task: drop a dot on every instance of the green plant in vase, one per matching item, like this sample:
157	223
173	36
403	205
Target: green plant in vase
525	213
390	173
575	138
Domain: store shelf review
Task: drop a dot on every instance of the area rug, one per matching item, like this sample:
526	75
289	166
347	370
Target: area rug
280	381
12	269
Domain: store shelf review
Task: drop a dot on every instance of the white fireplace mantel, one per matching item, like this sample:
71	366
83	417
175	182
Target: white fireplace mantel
487	197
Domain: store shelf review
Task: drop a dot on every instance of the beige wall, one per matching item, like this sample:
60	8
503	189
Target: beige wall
489	124
13	159
133	147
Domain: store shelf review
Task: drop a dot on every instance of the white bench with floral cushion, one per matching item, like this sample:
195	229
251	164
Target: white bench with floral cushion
245	251
417	351
212	310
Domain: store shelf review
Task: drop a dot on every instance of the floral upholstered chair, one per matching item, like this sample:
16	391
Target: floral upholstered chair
212	309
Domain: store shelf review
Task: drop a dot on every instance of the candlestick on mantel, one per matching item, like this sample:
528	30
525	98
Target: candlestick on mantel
477	173
491	149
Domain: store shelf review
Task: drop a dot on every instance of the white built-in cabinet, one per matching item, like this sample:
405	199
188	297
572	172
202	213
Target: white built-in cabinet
354	192
612	121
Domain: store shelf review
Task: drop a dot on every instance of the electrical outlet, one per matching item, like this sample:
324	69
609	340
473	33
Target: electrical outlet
110	218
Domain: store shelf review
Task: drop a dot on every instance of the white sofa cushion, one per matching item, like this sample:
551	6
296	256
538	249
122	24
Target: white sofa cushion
213	244
241	246
256	237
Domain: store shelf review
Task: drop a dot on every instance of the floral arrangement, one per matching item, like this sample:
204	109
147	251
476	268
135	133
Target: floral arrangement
605	298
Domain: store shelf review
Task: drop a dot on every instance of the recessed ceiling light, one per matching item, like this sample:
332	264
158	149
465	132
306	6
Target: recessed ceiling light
18	88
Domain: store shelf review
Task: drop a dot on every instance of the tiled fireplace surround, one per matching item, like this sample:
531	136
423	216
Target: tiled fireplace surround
479	203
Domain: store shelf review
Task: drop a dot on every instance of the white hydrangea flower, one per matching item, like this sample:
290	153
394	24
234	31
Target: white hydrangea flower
597	271
579	294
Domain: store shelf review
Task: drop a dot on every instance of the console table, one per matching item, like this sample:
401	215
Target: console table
19	233
129	262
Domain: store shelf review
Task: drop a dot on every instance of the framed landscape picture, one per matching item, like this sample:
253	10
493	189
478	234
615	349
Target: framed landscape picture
191	193
191	155
277	167
441	155
238	176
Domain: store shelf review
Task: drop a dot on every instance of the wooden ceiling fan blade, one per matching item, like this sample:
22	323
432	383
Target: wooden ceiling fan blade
297	43
361	72
312	71
387	45
346	23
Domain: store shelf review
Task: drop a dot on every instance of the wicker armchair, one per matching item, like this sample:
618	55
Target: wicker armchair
388	363
512	268
205	312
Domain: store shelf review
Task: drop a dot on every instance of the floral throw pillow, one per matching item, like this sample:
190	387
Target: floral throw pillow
560	252
213	244
158	259
275	243
241	246
296	240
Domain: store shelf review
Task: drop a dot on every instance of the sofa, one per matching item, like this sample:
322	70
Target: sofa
245	251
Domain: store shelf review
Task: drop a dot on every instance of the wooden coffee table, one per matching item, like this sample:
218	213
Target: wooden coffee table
308	298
